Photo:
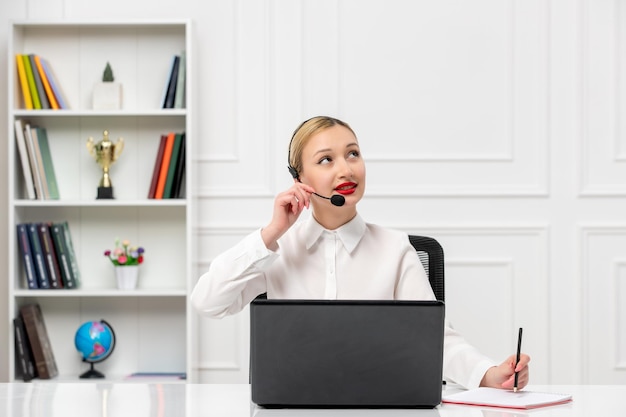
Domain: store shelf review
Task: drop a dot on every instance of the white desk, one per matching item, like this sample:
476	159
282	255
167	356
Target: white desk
194	400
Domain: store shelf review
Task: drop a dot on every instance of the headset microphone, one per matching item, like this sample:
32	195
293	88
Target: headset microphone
335	199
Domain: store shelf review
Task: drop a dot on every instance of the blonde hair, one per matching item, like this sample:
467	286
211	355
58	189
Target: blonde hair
301	137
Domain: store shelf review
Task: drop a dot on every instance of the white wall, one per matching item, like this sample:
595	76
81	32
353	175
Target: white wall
494	126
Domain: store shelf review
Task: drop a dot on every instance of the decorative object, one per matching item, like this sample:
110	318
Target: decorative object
95	340
107	95
126	259
105	153
126	277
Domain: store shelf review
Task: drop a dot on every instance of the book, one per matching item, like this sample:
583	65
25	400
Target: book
46	84
31	82
495	397
41	92
179	97
179	175
50	256
39	159
39	341
43	281
171	85
24	159
48	166
21	74
54	85
165	163
27	256
171	169
70	252
32	158
25	365
60	246
157	167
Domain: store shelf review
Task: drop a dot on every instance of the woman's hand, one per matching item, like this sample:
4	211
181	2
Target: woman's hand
503	375
287	208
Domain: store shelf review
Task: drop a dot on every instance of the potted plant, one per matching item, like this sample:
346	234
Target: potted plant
107	94
126	260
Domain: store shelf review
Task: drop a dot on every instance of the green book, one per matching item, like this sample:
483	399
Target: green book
57	231
48	166
70	252
179	98
171	170
31	82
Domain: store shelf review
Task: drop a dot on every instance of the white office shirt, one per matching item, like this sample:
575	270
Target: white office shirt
356	261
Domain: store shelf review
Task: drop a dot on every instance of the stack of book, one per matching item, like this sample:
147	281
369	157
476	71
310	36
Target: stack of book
34	356
36	161
40	88
174	91
48	256
169	168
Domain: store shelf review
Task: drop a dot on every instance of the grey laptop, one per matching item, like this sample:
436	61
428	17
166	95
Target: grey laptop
338	354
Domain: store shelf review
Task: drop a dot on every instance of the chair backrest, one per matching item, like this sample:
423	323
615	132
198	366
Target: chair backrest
430	253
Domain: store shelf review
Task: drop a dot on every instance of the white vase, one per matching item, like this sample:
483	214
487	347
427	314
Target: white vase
107	96
127	277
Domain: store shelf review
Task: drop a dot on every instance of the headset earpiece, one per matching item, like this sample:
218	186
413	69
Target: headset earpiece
293	172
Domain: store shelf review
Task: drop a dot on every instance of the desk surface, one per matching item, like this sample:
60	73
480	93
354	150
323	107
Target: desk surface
194	400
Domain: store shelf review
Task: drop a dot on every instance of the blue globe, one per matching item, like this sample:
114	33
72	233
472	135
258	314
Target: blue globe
95	341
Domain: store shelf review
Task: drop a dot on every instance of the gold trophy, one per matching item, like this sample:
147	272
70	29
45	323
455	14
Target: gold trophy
105	153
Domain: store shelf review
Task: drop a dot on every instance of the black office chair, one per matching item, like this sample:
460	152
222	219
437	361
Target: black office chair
430	253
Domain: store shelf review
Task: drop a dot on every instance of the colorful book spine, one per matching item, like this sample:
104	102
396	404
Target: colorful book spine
34	165
27	256
157	167
52	263
60	246
39	341
43	281
48	166
24	159
171	86
179	175
25	365
46	84
179	98
171	169
167	156
32	87
70	252
41	92
38	160
54	85
21	73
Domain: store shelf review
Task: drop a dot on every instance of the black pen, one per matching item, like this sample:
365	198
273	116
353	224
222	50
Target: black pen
519	351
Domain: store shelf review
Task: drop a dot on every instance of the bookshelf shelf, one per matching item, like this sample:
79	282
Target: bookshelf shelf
102	203
152	322
104	293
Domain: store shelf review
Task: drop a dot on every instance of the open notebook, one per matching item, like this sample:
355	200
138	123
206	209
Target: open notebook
493	397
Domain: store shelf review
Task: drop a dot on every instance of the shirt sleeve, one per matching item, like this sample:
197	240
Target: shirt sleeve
234	278
462	363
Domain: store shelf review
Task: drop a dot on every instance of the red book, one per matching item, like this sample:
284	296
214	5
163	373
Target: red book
157	167
165	163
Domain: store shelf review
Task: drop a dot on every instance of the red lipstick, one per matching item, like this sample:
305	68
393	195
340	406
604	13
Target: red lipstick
346	188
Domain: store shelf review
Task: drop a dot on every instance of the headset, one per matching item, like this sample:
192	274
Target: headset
336	199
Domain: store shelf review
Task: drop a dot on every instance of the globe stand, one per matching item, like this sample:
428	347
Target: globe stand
92	373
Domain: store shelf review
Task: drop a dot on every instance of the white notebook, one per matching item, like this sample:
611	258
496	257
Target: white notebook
494	397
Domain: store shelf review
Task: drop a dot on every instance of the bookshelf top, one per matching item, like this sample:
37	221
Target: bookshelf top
100	23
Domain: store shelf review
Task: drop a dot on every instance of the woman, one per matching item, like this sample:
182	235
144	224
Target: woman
334	254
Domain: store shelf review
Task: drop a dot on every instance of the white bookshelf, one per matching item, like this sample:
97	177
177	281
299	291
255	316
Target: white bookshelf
152	323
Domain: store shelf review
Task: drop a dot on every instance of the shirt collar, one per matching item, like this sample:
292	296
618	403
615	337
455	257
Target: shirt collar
350	233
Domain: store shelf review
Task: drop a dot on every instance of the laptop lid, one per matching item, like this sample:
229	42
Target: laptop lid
346	353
